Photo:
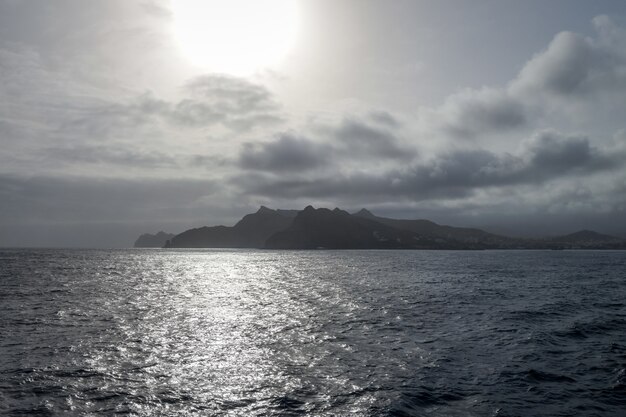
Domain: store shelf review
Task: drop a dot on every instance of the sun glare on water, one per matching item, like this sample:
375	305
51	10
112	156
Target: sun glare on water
237	37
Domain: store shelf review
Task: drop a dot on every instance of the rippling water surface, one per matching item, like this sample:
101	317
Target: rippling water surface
328	333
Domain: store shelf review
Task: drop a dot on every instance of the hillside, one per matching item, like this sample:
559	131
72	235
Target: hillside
250	232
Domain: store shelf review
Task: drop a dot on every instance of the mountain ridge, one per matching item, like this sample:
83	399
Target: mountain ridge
313	228
250	232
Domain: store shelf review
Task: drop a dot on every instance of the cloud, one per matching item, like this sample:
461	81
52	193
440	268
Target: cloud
575	66
218	99
546	156
286	153
551	152
49	121
209	100
567	80
34	87
546	171
471	113
84	138
358	138
232	94
351	141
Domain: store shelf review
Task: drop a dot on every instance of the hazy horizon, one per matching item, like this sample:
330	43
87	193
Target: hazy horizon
88	241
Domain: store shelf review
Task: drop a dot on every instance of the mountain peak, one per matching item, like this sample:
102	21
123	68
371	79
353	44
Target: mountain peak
364	213
264	209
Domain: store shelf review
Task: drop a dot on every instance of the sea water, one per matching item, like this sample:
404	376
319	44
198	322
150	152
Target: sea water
320	333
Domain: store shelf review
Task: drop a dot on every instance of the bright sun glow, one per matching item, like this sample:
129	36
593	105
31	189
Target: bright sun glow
237	37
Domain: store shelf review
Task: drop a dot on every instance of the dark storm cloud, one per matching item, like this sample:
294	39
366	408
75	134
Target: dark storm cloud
352	140
371	187
545	157
286	153
550	152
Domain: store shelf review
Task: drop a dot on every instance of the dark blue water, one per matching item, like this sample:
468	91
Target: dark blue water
326	333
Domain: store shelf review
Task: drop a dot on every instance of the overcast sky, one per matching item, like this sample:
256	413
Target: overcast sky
509	115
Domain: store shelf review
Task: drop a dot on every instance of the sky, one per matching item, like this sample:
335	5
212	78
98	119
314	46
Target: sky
120	117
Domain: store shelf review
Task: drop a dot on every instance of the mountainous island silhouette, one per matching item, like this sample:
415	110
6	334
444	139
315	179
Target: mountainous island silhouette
323	228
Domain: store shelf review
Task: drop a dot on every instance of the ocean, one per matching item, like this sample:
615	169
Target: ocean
320	333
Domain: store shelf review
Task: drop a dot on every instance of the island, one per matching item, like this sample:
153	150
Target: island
323	228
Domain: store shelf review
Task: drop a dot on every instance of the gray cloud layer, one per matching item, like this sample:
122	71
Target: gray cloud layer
352	140
211	100
286	153
79	146
546	156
